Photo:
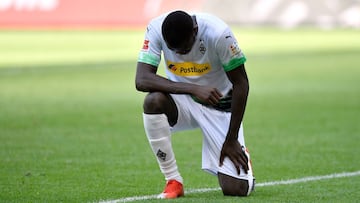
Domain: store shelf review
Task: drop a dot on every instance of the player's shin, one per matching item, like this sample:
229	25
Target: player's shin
157	130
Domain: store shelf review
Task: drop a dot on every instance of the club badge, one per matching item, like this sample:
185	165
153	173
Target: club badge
202	48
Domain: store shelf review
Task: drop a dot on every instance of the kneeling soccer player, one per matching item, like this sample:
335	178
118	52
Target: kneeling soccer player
206	87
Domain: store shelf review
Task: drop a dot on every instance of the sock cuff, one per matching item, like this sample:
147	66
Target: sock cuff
155	121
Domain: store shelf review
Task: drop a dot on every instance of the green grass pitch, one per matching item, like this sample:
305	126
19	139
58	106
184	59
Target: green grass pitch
71	119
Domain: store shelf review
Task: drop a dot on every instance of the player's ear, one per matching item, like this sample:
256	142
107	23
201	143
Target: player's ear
195	30
195	25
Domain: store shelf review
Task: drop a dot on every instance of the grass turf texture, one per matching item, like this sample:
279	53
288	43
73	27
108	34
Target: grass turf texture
71	124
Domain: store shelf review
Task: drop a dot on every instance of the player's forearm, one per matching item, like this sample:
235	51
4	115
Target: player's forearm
238	105
157	83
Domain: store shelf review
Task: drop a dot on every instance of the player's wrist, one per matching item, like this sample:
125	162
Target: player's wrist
230	137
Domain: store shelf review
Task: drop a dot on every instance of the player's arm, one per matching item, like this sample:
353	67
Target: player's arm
147	80
233	61
231	147
239	79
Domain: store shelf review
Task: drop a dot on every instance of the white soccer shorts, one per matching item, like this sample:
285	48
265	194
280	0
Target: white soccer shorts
214	125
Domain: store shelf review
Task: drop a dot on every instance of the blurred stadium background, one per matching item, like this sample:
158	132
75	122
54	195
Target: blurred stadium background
119	13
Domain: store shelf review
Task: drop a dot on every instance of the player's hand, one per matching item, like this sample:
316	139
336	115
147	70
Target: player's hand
235	152
207	95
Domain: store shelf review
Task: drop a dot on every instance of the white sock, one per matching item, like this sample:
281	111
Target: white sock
157	130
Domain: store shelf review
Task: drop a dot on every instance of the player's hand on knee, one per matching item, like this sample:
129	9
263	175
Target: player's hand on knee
235	152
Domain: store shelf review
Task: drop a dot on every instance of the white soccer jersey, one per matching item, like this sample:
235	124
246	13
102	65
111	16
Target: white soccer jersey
214	52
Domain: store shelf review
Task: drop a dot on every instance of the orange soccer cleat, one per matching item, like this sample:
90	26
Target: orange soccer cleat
172	190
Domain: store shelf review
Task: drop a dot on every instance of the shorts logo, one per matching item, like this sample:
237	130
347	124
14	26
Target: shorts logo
146	45
188	68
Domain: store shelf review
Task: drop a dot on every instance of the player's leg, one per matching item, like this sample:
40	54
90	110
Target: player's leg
234	184
214	125
161	103
160	112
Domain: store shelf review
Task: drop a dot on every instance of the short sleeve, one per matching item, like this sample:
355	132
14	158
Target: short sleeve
229	51
151	49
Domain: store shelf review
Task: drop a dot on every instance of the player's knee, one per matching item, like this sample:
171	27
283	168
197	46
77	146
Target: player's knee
238	190
154	102
234	187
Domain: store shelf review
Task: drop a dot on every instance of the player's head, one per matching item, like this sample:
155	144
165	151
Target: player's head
179	30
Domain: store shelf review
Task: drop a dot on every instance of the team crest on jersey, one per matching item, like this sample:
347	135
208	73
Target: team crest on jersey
234	49
188	68
202	47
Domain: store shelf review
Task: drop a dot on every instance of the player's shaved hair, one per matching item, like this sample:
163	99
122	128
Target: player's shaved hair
177	28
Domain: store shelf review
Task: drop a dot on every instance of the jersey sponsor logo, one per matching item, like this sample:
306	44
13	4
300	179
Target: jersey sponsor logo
188	68
146	45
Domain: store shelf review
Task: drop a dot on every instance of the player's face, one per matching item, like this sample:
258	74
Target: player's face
186	46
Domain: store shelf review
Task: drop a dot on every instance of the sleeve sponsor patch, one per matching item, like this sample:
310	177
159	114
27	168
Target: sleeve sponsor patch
146	45
234	49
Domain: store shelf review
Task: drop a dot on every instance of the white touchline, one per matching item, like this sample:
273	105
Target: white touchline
281	182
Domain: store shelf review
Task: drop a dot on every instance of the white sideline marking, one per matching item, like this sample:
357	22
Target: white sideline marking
281	182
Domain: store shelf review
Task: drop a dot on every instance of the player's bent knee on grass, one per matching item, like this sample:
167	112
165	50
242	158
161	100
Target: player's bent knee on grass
233	186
